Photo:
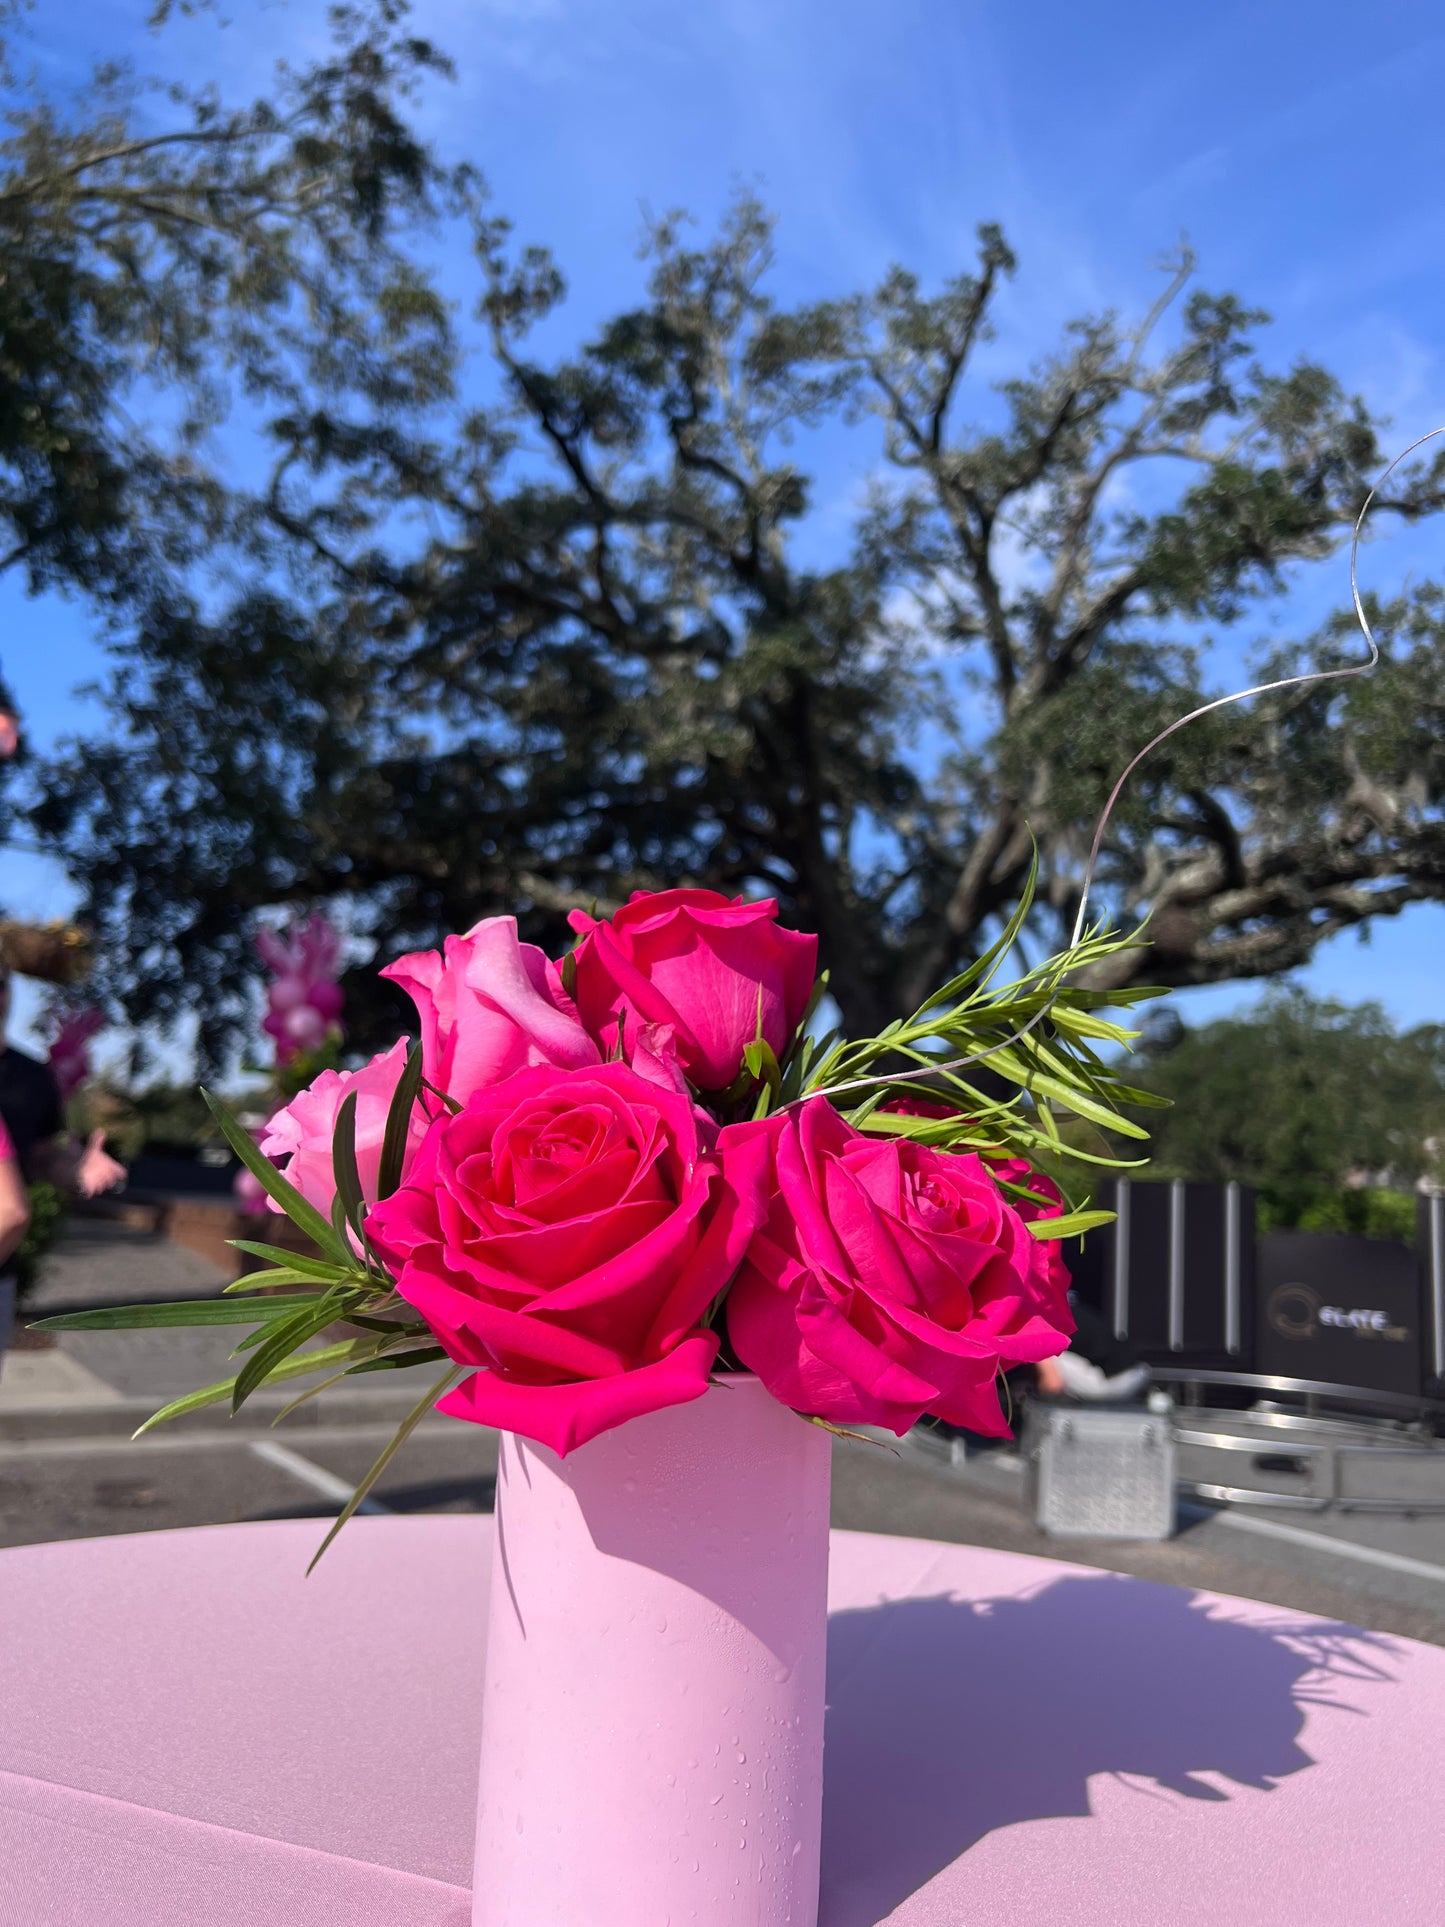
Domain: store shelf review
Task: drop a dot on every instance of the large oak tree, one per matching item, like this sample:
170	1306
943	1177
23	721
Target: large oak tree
543	636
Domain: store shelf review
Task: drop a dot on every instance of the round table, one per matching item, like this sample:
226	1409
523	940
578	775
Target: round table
194	1735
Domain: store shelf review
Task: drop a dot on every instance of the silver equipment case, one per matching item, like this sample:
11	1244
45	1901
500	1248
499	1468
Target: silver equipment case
1099	1473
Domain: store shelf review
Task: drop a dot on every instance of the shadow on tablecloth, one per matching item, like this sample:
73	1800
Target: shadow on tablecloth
949	1718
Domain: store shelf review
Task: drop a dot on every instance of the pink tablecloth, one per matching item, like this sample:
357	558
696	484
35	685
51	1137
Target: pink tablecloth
191	1735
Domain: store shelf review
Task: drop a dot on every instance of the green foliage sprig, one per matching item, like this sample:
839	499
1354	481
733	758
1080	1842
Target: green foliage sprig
1038	1033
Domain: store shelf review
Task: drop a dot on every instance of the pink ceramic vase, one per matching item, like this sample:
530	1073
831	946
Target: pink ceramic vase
652	1727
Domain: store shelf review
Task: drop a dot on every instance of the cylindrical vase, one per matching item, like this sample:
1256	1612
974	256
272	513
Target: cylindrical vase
652	1724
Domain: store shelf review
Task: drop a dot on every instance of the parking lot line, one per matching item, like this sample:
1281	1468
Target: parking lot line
93	1445
316	1476
1324	1542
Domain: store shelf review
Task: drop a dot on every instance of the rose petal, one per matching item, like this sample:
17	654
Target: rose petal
566	1416
509	1334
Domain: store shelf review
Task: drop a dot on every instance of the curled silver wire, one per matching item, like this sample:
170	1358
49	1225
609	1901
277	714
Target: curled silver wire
1259	689
1205	709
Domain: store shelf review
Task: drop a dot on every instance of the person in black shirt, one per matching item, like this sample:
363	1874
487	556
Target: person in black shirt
29	1098
29	1102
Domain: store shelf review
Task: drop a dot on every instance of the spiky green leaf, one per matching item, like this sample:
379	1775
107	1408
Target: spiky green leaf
388	1453
193	1311
297	1367
343	1166
398	1123
302	1214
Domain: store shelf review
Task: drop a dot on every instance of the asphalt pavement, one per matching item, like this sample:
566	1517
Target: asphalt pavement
68	1468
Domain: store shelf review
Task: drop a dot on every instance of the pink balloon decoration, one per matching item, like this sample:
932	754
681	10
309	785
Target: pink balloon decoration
289	991
305	1027
329	999
69	1049
304	1001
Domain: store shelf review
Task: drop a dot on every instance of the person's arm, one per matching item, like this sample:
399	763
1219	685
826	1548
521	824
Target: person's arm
14	1202
97	1171
87	1169
1050	1378
59	1158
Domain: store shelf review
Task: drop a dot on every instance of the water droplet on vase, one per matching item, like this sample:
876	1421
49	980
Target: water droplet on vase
742	1757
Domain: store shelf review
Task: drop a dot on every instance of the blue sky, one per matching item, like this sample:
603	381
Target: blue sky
1298	145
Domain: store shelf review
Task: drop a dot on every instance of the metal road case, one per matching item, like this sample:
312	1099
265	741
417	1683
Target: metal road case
1099	1474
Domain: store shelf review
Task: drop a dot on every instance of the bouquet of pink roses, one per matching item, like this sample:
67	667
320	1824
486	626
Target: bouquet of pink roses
591	1185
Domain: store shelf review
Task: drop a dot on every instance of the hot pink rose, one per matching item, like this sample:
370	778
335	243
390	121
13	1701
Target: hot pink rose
490	1006
566	1233
299	1138
888	1280
1048	1252
710	967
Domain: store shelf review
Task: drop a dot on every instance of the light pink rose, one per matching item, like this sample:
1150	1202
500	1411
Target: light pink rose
566	1233
299	1138
715	969
490	1006
888	1279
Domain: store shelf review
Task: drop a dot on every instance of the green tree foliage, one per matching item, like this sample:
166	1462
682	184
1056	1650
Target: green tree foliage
171	263
1326	1108
158	269
547	637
